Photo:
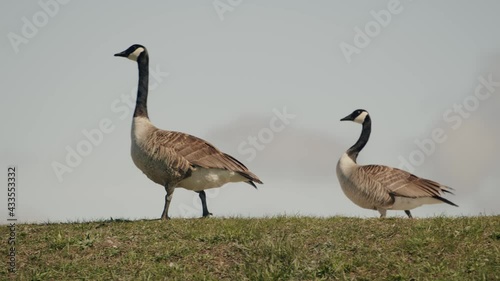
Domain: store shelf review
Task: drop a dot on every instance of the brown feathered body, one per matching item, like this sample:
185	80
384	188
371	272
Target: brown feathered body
181	160
379	187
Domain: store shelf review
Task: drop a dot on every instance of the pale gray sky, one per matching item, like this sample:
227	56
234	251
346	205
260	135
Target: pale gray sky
222	74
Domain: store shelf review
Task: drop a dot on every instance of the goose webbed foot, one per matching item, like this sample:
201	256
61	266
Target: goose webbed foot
207	215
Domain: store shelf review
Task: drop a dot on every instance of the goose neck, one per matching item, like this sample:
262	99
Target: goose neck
363	139
141	109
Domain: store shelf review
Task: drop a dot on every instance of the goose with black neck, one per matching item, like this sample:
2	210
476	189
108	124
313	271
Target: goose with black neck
174	159
379	187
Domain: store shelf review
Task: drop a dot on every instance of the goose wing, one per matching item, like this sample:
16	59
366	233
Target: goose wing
402	183
201	153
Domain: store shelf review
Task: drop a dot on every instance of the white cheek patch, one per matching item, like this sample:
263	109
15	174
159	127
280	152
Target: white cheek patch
361	118
135	54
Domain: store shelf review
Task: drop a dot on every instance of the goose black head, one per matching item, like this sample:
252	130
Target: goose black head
358	116
134	52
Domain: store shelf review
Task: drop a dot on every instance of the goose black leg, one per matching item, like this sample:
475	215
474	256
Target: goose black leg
168	198
409	214
203	198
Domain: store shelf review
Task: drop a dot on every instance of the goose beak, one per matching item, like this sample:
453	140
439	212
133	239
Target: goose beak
122	54
347	118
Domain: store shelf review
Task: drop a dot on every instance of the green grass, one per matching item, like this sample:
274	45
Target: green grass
281	248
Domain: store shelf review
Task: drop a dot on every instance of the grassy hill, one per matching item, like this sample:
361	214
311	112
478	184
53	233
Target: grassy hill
281	248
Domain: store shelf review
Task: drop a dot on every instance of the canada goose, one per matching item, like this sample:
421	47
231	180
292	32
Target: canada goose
379	187
174	159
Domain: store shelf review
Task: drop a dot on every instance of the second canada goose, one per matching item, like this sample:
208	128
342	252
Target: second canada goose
379	187
174	159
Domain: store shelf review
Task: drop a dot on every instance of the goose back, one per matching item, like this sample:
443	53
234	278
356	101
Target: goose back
373	186
402	185
169	156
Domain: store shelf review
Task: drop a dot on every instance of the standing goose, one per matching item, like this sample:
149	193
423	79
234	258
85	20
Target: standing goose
174	159
379	187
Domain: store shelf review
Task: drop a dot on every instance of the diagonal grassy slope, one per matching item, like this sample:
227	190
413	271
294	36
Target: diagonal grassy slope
282	248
